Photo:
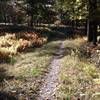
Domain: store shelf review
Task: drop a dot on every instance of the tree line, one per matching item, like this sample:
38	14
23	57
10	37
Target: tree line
34	11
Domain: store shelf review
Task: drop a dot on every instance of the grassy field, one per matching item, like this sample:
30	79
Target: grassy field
79	79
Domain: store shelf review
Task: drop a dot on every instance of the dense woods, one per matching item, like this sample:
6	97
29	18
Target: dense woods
74	13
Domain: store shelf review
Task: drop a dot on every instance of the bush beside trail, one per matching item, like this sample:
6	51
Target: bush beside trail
91	53
11	44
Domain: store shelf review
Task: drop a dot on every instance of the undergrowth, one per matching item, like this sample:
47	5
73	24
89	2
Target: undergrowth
28	69
79	79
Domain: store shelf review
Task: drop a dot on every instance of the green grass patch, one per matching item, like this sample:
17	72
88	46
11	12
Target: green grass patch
13	60
37	72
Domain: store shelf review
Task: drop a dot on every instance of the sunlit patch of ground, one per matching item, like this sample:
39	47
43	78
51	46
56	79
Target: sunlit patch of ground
78	78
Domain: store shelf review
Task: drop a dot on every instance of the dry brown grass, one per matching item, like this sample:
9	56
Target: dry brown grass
28	71
11	44
78	78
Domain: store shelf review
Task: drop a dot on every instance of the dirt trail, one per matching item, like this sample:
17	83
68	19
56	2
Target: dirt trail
51	83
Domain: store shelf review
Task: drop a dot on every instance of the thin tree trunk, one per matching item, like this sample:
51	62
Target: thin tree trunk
95	33
31	21
91	24
5	20
85	27
89	31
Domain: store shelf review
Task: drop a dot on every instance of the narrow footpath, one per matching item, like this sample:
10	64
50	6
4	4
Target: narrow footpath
51	82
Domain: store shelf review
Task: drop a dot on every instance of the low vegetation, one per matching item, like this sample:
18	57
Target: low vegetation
79	78
11	44
22	77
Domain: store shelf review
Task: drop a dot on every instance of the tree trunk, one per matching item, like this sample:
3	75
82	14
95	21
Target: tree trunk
95	33
31	21
89	31
91	24
5	19
85	31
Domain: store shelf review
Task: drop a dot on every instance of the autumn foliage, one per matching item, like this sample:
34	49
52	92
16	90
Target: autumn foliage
11	44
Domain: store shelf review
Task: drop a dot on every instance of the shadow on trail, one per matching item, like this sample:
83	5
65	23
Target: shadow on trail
3	73
3	76
6	96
